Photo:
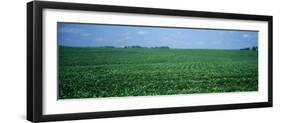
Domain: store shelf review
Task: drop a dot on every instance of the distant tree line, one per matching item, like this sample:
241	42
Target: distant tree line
108	47
163	47
254	48
135	46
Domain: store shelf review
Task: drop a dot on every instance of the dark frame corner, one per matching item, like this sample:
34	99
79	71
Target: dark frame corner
34	60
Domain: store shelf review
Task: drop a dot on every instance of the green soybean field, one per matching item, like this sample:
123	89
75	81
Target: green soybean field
88	72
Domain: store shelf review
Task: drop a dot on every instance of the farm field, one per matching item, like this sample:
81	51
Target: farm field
118	72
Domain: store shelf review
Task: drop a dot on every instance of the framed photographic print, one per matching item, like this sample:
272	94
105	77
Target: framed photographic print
95	61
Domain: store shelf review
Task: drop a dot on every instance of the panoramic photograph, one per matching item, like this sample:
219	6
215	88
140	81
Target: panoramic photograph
104	60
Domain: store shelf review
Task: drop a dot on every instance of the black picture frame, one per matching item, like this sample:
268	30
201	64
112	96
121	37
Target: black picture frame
34	60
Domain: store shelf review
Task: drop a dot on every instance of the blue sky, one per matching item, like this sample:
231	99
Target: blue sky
95	35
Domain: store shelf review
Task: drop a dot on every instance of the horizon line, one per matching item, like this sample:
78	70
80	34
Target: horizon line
156	47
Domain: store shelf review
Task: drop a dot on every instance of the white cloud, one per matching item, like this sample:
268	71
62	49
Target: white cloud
128	37
95	40
141	32
178	33
245	36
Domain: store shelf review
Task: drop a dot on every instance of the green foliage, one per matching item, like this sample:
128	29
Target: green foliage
254	48
117	72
